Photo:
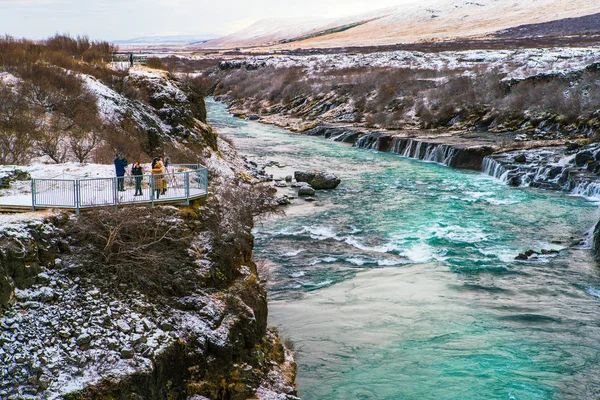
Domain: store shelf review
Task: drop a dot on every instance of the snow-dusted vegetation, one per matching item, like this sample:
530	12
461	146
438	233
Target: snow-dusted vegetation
134	302
542	92
62	102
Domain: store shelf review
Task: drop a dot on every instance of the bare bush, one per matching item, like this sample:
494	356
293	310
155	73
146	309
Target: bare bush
52	144
137	246
18	128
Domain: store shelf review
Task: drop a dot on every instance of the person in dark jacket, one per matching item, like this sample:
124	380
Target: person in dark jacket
120	165
138	173
131	59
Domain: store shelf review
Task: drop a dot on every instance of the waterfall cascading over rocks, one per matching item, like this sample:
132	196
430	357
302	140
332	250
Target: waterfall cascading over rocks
334	133
451	155
556	168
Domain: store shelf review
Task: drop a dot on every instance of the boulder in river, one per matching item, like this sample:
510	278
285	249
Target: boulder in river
583	157
318	180
520	158
304	176
306	191
324	180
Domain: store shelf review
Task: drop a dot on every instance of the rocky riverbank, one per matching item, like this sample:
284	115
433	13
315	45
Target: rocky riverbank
517	159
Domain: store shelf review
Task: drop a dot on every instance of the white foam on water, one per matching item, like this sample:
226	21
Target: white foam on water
461	234
324	260
504	254
421	253
502	202
297	274
354	242
319	232
292	253
390	262
358	261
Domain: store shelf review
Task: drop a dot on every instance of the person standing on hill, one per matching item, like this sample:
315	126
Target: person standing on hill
120	165
138	173
131	59
158	171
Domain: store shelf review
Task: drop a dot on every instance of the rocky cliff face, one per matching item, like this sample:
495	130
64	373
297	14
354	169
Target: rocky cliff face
179	316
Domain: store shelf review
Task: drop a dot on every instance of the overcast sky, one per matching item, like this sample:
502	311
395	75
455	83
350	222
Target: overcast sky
125	19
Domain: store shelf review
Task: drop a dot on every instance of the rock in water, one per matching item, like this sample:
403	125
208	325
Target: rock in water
324	180
520	158
306	191
583	157
304	176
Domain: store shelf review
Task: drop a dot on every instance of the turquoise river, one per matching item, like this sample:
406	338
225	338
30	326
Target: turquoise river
402	283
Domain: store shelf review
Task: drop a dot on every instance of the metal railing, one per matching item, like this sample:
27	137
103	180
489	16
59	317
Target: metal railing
186	182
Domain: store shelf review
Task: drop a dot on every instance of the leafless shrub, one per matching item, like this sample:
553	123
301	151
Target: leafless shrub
82	143
18	127
137	246
123	138
52	144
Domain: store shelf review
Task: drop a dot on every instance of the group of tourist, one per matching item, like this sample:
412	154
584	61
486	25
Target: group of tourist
159	168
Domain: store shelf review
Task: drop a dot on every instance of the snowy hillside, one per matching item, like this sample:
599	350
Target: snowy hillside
426	20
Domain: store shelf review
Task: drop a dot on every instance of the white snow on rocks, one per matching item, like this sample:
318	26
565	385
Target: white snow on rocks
519	63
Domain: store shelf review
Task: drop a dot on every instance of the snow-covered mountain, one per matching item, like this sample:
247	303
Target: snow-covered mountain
424	20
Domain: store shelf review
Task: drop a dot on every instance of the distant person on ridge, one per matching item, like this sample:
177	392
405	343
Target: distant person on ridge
137	171
158	171
131	59
120	165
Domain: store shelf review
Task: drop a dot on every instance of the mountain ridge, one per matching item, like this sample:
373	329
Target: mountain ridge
415	22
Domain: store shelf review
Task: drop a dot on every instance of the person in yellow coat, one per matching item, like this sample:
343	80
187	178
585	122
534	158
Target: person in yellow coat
158	171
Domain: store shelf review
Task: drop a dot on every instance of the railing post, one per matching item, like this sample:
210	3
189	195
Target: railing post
151	189
205	175
115	191
77	196
187	188
33	194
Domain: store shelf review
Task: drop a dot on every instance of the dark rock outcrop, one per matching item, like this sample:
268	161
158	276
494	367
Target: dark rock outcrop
324	181
25	249
306	191
337	134
318	180
71	313
304	176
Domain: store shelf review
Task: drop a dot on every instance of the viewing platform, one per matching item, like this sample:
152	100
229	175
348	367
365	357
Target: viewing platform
184	182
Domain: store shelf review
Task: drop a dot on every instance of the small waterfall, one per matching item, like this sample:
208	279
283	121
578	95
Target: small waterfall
398	145
547	168
439	153
368	142
587	189
494	168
